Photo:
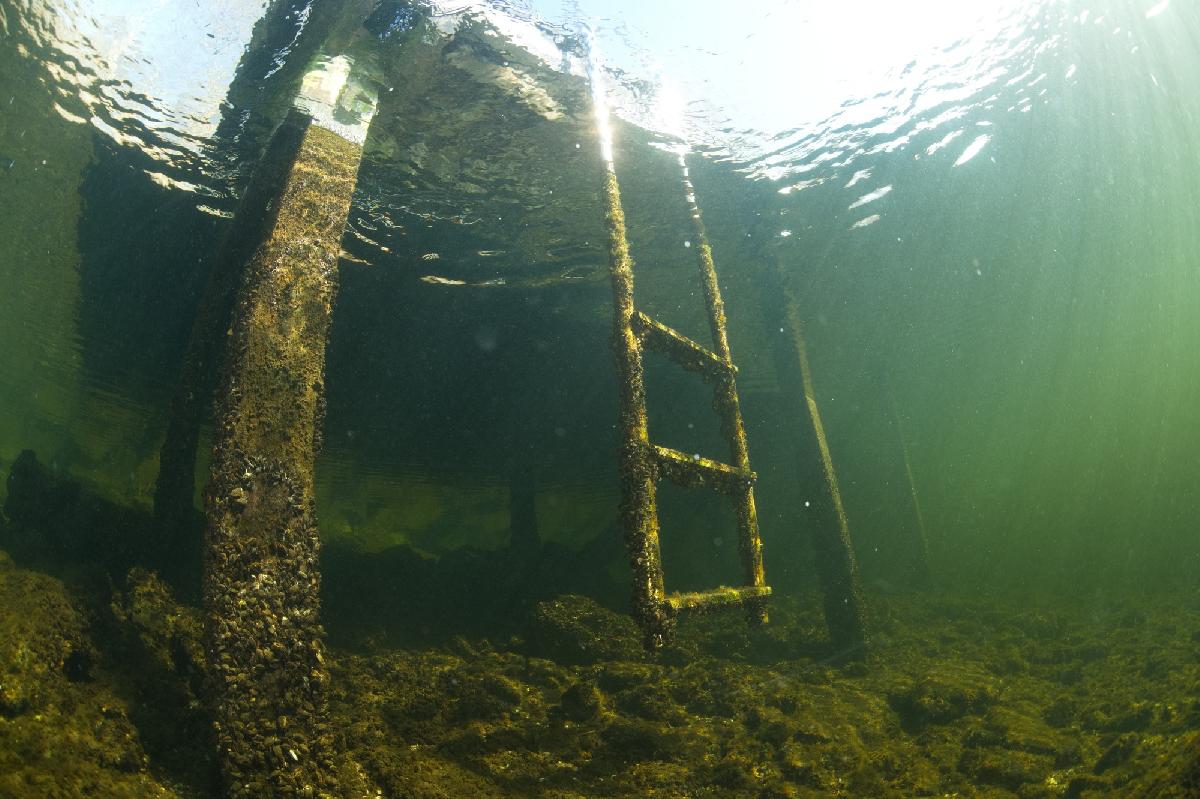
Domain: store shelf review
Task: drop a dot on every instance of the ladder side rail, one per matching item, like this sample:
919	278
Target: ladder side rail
639	514
726	399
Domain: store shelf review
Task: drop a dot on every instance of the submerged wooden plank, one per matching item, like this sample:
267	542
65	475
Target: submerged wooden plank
722	597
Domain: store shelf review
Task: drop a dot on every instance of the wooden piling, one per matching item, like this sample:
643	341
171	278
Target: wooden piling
265	642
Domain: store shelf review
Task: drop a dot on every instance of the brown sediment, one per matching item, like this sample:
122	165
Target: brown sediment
264	639
998	695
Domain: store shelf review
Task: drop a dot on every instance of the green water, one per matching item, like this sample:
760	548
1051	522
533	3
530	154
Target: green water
987	219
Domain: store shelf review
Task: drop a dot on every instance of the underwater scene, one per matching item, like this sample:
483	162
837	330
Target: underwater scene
483	399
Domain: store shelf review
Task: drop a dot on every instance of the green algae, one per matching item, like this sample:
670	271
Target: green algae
66	730
472	717
1000	698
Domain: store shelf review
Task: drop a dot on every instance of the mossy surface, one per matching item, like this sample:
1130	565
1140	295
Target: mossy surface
264	641
66	722
510	694
963	697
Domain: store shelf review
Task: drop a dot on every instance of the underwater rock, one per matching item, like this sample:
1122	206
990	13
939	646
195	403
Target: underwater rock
1061	712
1134	717
1020	729
482	697
798	766
160	641
169	633
638	739
1175	775
1118	752
63	730
650	702
942	697
771	725
578	631
42	639
581	702
1005	768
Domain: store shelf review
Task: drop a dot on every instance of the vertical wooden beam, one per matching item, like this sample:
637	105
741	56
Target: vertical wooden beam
258	99
261	584
175	485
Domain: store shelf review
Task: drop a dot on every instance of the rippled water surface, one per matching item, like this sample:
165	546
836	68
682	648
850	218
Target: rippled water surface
987	212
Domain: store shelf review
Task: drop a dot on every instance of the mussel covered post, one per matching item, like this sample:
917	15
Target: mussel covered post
261	584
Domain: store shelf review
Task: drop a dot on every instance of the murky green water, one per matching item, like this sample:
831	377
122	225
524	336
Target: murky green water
985	219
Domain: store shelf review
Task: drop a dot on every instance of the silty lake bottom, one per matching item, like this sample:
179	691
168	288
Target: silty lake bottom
348	451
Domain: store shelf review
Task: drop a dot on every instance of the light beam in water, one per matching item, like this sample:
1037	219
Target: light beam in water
600	102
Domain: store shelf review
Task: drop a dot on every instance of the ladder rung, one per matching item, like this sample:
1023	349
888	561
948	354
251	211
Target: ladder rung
679	348
718	598
694	471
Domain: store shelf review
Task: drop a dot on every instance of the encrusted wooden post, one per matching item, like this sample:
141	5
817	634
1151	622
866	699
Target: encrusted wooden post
258	97
175	486
261	583
837	566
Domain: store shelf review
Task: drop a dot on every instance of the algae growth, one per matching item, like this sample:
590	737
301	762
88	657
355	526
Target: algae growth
102	676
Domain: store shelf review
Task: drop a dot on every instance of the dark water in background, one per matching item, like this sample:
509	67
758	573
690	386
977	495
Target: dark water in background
993	239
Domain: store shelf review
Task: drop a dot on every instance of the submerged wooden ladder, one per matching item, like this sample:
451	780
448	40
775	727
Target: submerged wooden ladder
643	463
